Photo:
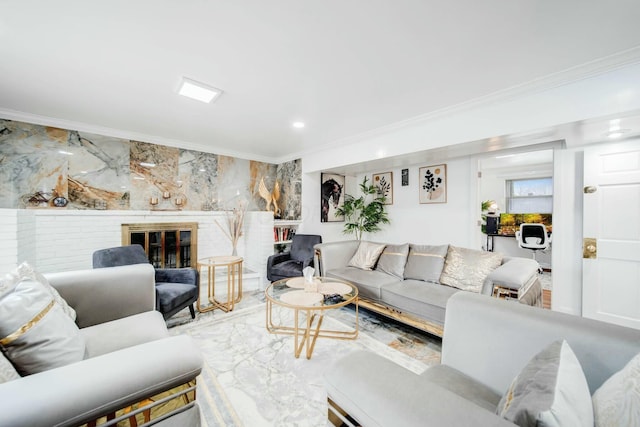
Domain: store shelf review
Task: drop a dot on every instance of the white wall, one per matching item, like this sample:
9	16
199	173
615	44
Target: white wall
60	240
410	221
610	93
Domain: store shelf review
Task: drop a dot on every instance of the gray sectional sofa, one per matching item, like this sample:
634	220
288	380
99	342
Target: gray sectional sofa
412	283
486	344
127	354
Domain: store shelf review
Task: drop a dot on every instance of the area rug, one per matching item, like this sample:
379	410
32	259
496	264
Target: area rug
251	378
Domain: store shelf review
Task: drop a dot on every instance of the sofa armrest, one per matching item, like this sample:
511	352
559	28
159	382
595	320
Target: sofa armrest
104	294
83	391
395	396
514	273
334	255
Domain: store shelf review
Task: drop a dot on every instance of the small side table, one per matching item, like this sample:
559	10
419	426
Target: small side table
233	265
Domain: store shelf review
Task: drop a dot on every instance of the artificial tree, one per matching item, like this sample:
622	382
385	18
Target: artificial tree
364	214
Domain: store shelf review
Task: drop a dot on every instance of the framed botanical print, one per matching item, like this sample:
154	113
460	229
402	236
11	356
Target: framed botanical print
433	184
331	197
384	184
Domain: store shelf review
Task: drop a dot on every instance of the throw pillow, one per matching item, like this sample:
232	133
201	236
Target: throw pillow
366	255
467	269
617	401
26	271
7	371
425	262
393	259
35	333
551	390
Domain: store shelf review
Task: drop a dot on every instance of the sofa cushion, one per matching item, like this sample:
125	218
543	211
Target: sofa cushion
393	259
366	255
35	333
467	269
617	401
108	337
369	283
462	385
26	271
423	299
425	262
551	390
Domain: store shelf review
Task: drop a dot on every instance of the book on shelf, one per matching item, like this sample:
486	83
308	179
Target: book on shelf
281	234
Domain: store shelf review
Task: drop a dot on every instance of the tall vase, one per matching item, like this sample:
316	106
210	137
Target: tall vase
234	252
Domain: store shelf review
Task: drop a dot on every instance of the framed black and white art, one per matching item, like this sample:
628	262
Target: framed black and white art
433	184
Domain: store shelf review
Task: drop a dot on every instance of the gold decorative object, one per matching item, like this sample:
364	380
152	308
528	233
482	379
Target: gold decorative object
270	196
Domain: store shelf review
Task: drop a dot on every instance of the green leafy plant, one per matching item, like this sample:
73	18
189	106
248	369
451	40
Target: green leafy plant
364	214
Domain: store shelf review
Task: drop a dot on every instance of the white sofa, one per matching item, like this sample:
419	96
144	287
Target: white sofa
129	356
486	344
422	303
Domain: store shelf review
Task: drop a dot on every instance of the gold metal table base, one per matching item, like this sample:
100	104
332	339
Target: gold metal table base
307	319
310	331
233	265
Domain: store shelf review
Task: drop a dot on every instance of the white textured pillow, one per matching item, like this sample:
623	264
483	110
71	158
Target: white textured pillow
366	256
35	334
550	391
467	269
26	271
7	371
617	401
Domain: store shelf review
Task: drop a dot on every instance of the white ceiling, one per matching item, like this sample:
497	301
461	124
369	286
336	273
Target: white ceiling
344	67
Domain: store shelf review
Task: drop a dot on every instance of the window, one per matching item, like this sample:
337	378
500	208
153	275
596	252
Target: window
530	195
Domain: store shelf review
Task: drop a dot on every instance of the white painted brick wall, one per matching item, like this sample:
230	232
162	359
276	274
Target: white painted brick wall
63	240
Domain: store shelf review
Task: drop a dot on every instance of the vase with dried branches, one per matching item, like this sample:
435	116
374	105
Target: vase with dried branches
234	224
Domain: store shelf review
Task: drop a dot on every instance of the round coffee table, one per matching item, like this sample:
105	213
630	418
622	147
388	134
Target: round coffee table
312	301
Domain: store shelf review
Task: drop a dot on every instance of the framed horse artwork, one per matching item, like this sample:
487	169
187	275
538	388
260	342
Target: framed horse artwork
331	197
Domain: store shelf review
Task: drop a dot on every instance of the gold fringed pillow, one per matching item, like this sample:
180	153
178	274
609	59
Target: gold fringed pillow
467	269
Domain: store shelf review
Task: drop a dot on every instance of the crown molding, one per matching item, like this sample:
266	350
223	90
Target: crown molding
561	78
123	134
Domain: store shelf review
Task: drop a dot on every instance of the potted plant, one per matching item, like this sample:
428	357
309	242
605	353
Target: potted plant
364	214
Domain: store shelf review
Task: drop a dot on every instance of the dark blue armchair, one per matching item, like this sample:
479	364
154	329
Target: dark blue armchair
290	264
176	288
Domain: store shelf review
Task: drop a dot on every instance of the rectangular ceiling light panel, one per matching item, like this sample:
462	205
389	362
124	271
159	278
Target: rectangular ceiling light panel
199	91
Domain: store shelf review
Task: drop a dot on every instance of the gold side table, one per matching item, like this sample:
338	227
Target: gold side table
233	265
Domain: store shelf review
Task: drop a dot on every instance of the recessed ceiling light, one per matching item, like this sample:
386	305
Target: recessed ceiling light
199	91
66	153
298	125
147	165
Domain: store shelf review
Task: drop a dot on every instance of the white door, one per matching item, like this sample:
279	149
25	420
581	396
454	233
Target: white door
611	280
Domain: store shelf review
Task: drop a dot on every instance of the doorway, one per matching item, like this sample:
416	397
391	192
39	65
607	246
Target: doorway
517	186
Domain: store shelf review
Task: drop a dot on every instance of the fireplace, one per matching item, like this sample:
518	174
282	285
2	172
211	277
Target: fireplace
168	245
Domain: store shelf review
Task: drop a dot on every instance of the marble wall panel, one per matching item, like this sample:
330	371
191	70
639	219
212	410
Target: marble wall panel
289	174
154	175
33	164
99	172
266	172
198	174
233	182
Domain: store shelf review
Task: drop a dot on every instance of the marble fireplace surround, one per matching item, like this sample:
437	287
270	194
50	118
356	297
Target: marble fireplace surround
61	240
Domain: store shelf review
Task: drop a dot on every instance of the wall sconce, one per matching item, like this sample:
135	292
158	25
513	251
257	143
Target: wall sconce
166	195
179	201
153	201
